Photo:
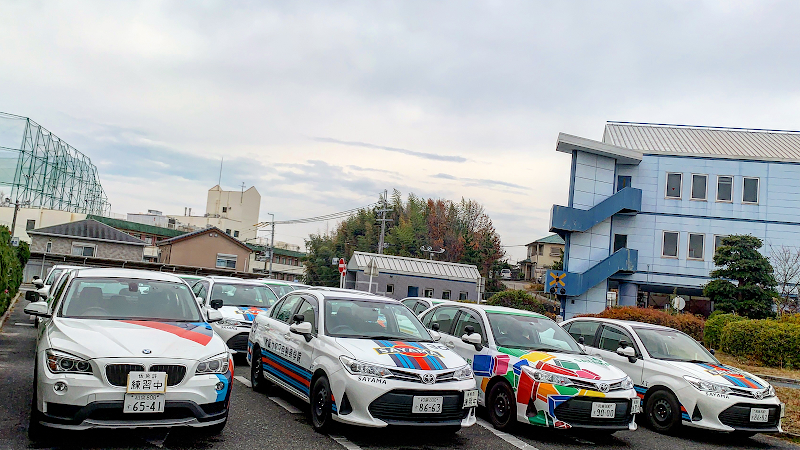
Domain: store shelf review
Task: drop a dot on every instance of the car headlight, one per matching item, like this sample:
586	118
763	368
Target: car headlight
61	362
707	386
627	383
361	368
546	377
215	364
463	373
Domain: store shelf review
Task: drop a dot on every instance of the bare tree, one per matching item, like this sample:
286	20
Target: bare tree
786	264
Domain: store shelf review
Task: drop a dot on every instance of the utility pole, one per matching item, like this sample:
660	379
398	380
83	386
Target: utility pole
384	209
17	204
271	244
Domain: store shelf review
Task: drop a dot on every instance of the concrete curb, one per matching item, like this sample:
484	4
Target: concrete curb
779	379
10	308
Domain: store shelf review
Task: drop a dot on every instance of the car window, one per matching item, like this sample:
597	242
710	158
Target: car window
280	289
409	302
275	308
200	289
466	319
444	316
370	319
233	294
51	277
529	332
419	307
672	345
583	329
284	314
309	314
610	338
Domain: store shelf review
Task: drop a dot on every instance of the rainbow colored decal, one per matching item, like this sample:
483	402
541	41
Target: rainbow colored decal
199	332
410	355
732	374
250	312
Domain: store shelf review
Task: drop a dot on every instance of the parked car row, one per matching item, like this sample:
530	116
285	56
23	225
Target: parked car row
130	348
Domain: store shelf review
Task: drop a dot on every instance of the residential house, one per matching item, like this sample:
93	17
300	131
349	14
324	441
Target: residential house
210	248
542	253
88	238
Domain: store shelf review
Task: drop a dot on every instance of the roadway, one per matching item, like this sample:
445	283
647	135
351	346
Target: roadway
276	421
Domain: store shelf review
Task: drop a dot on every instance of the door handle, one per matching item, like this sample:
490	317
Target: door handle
450	344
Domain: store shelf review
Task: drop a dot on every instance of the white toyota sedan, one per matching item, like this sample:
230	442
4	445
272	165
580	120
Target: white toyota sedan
679	381
123	348
362	360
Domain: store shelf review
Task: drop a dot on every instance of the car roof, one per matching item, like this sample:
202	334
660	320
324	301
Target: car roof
343	294
126	273
273	281
234	280
629	323
506	310
68	266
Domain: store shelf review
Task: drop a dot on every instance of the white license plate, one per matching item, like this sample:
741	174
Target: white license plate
426	405
603	410
147	382
636	406
470	398
144	403
759	415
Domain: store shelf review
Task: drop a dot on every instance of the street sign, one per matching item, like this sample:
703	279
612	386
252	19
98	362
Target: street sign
342	266
372	268
15	242
678	303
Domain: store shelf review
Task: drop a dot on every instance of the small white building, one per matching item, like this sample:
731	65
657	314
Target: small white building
234	212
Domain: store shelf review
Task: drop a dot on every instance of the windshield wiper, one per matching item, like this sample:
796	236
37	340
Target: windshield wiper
696	361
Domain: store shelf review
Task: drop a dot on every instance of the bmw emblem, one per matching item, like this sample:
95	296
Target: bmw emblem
604	387
146	351
429	378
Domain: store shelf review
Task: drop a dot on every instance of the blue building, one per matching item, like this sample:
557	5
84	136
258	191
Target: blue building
649	204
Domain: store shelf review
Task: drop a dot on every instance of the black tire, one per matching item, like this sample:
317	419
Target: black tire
36	431
257	380
321	405
213	430
663	412
502	406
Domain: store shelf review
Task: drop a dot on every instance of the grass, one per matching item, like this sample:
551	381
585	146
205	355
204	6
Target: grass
791	423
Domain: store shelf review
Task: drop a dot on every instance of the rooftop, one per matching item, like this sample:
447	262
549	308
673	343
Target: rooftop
89	229
552	239
415	266
137	227
199	232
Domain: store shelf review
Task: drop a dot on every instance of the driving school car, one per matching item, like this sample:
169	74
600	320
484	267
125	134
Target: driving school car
121	348
360	359
529	370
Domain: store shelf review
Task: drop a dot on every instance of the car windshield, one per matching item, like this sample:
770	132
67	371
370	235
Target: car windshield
52	276
530	333
125	298
233	294
672	345
366	319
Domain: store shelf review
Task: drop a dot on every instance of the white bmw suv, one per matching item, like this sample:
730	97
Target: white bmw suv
122	348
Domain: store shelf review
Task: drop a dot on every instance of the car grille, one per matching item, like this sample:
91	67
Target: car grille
117	374
738	416
578	411
441	377
395	406
175	373
116	413
238	342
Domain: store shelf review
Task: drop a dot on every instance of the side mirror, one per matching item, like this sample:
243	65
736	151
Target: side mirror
435	326
31	296
629	352
304	329
712	351
38	283
435	335
38	309
471	337
214	315
216	303
299	318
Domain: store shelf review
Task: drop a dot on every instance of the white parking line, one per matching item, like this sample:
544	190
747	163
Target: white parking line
286	405
23	324
345	443
243	380
506	437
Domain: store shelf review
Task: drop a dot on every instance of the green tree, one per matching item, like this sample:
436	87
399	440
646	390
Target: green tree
559	265
744	283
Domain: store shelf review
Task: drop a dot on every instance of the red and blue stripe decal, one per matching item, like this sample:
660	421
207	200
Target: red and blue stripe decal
734	376
290	373
249	313
415	357
199	332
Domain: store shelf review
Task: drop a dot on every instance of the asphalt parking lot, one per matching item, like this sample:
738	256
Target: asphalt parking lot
276	421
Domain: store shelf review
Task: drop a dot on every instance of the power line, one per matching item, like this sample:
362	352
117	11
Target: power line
323	218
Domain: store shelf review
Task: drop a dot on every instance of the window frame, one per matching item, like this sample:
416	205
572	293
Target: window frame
621	330
732	189
680	186
715	241
705	192
614	243
235	260
84	245
466	295
390	288
677	245
425	292
702	248
48	248
758	189
30	224
589	343
448	292
621	178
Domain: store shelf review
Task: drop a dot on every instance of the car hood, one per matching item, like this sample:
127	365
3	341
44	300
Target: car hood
129	338
242	313
716	373
567	364
403	354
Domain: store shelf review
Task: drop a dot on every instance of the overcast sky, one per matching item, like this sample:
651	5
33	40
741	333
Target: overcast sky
323	105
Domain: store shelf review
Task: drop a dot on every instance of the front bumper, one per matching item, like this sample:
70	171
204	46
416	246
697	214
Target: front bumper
575	411
108	414
728	412
235	337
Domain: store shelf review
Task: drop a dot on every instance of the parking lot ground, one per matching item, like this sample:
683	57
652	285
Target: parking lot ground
278	421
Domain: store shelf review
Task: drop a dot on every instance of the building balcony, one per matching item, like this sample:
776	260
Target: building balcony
564	219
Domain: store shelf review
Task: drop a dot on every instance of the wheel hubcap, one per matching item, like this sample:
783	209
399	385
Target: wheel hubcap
662	411
501	406
319	405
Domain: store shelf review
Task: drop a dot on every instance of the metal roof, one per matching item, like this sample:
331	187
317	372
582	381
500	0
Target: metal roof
552	239
734	143
88	229
137	227
415	266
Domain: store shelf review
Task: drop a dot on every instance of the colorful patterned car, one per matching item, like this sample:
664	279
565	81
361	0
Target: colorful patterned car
529	370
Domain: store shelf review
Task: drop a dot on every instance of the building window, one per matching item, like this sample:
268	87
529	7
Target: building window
49	247
718	242
236	233
555	251
724	189
750	190
226	261
84	249
462	295
541	249
224	209
30	224
427	293
620	241
228	231
390	289
696	246
674	181
699	187
445	295
669	249
623	181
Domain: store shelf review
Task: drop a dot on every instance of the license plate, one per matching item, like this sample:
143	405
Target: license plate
636	406
426	405
144	403
147	382
470	398
759	415
603	410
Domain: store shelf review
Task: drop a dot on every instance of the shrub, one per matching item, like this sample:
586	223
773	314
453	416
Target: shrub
688	323
521	300
714	326
770	342
10	268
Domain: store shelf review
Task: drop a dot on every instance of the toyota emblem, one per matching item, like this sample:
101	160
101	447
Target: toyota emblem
758	395
429	378
604	387
146	351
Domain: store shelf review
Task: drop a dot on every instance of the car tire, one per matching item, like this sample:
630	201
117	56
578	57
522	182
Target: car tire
36	431
663	412
213	430
257	380
502	406
321	405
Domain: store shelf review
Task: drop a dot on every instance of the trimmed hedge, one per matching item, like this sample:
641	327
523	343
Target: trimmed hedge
714	326
520	299
688	323
770	342
12	261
